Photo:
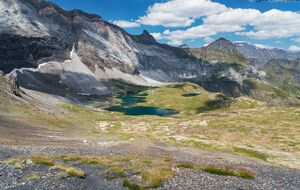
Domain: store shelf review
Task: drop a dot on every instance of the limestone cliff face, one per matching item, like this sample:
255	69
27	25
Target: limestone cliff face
34	32
36	38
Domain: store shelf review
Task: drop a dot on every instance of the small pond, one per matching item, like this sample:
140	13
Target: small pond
191	94
128	107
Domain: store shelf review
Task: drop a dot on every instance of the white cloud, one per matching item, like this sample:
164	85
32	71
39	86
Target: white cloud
233	17
294	48
208	39
269	34
276	19
274	24
200	31
217	18
157	36
271	24
126	24
176	13
175	42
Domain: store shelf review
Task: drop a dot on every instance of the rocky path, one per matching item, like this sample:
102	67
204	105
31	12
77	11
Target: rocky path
266	176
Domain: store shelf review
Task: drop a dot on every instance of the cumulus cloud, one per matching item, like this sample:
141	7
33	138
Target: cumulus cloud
269	34
274	24
217	18
294	48
126	24
157	36
175	42
208	39
176	13
200	31
233	17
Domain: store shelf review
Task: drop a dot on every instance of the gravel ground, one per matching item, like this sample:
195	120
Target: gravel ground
267	176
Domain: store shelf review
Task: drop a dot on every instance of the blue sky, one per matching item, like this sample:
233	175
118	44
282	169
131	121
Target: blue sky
198	22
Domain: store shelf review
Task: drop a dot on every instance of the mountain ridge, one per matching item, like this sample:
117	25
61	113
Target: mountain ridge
106	52
263	55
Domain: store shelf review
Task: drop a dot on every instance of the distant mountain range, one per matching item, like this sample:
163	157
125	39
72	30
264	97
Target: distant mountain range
56	51
263	55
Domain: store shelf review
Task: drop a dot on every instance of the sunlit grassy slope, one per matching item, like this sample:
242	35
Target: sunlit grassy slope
173	97
207	121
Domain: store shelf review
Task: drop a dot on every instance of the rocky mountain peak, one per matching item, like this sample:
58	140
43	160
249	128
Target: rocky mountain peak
145	38
221	43
221	50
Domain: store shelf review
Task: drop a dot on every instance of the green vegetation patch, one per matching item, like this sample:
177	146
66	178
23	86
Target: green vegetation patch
90	162
13	161
74	172
115	172
251	153
63	175
71	158
18	166
171	97
185	165
238	172
37	160
32	177
133	186
127	87
156	174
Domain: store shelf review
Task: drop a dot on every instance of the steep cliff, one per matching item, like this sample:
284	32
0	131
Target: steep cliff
37	37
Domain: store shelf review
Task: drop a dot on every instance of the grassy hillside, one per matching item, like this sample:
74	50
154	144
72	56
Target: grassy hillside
189	99
285	74
221	50
240	126
265	92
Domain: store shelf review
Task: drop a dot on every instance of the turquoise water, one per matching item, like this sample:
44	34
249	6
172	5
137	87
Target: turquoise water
190	94
128	107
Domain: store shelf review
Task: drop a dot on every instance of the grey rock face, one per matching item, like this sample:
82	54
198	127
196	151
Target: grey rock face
35	32
264	55
50	32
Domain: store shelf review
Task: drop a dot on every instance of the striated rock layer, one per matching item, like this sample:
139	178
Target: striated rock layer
37	37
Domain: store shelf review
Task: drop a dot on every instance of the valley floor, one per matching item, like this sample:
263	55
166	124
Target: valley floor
64	146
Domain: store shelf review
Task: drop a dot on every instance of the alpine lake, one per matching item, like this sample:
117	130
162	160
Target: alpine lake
128	108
